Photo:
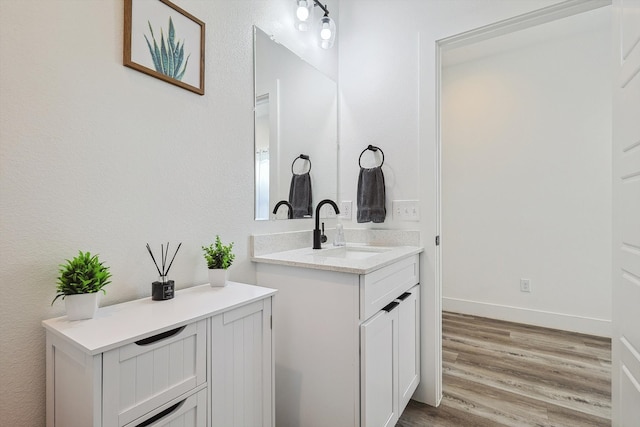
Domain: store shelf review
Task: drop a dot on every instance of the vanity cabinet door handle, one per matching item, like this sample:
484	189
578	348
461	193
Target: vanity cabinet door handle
404	296
160	336
161	415
390	306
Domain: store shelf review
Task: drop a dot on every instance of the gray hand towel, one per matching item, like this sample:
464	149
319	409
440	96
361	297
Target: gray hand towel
371	195
300	195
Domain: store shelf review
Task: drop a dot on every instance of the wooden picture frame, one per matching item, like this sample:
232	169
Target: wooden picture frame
164	41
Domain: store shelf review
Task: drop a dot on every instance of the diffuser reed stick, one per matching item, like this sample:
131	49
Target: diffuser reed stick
174	255
154	259
164	254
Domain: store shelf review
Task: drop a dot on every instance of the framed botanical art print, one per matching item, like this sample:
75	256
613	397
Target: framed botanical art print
164	41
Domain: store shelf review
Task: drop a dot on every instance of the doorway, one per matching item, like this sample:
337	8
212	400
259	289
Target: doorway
525	135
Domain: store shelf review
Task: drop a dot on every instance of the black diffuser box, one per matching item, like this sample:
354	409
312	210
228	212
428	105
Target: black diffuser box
161	291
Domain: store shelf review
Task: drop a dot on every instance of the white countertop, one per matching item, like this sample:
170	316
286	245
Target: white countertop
136	319
316	259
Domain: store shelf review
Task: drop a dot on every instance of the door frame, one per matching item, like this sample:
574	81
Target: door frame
510	25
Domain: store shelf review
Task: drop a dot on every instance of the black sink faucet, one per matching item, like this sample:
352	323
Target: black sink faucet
284	202
317	234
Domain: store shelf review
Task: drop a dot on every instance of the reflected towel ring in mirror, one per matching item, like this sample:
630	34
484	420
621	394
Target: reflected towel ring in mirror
303	157
374	149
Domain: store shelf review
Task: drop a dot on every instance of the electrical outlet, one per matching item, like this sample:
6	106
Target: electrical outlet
345	209
525	285
406	210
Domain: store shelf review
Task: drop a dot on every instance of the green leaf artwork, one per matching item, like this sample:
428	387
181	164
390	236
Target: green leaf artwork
168	58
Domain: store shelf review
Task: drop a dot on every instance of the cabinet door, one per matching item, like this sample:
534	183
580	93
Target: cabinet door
408	345
379	369
241	367
73	381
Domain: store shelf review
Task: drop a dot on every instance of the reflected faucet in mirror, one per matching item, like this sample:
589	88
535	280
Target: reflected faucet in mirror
318	236
287	204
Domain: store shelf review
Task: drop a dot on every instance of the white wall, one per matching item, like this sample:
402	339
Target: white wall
99	157
526	187
387	78
85	143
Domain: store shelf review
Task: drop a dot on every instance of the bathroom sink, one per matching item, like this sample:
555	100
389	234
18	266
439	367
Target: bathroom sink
350	252
356	258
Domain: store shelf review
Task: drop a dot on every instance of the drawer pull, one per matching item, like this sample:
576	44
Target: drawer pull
390	306
404	296
162	414
161	336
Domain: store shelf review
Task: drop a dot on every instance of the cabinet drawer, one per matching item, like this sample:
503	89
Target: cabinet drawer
379	288
182	412
142	376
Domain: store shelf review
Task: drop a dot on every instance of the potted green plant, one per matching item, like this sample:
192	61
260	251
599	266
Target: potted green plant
219	258
79	283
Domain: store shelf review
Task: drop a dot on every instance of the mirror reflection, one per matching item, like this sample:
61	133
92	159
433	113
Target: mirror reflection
296	132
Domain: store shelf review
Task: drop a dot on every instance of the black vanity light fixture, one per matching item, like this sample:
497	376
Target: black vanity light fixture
326	25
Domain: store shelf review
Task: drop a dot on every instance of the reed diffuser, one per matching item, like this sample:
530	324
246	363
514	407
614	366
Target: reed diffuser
163	289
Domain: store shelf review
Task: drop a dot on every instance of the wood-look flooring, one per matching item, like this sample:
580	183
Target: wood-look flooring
499	373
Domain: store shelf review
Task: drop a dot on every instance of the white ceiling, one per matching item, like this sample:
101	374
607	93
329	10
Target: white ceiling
593	20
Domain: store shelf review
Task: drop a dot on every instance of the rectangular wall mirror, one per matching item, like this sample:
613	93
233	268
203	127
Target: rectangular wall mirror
295	115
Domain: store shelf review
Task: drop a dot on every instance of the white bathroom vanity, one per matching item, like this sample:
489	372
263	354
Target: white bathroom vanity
347	348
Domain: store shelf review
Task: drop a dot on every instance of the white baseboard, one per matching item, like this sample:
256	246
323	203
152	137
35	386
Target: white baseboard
566	322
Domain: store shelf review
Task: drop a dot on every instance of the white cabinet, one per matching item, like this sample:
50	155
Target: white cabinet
390	359
379	369
408	345
201	359
241	373
342	360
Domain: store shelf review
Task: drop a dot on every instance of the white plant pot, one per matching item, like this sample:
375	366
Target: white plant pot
81	306
218	277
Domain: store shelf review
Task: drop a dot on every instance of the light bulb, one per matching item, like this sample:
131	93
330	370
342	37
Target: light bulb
325	32
302	13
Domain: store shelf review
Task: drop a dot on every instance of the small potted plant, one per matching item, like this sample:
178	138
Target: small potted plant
219	258
80	281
